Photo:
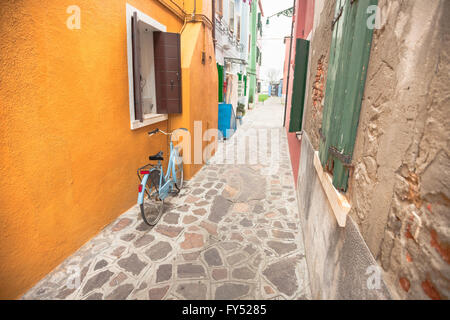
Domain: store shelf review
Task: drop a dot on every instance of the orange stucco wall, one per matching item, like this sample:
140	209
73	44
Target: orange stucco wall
202	96
68	158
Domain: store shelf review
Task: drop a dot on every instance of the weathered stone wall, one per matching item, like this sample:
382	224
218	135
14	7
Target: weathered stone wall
402	173
318	67
339	263
399	188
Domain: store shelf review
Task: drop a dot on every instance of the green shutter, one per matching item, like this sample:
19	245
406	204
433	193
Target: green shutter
349	58
220	73
240	85
245	85
299	86
259	24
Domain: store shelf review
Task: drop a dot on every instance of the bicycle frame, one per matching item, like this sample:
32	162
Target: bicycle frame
166	182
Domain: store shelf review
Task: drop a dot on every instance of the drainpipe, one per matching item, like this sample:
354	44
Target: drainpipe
213	17
289	66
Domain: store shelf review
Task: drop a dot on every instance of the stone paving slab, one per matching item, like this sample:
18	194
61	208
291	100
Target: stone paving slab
232	233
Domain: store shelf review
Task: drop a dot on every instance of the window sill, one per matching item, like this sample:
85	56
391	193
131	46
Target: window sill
154	118
338	202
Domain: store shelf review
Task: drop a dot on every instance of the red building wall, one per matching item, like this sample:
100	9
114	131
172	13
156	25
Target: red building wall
303	24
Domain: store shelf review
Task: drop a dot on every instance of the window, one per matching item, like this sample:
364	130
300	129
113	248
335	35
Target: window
154	70
231	15
349	59
238	31
219	7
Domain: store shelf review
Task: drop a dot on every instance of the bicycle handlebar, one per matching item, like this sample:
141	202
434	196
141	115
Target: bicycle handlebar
150	133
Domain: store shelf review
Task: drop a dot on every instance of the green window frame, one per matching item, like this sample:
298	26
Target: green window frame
349	58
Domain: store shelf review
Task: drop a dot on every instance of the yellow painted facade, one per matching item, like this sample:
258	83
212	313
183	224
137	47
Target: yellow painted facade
68	156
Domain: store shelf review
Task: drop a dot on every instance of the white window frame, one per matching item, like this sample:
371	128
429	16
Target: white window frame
148	118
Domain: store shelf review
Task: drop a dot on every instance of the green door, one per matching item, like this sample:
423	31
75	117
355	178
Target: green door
220	73
349	58
299	86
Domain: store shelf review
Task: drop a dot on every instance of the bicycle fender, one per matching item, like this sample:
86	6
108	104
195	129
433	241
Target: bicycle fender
173	162
174	175
141	194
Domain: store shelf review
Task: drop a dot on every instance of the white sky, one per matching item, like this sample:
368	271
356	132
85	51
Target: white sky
273	48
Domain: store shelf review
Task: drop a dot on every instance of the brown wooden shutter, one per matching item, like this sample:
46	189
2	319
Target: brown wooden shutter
238	32
167	72
136	68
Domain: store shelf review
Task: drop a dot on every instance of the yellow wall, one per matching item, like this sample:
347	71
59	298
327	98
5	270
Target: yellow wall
68	157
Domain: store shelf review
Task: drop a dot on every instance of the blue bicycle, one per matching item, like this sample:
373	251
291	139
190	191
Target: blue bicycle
155	186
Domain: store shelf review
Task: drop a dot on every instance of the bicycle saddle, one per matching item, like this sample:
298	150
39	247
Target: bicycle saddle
158	156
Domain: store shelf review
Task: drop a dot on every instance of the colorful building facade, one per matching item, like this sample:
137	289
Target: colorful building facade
232	48
73	129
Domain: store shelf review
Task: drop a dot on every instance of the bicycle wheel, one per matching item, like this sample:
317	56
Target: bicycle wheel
179	173
152	207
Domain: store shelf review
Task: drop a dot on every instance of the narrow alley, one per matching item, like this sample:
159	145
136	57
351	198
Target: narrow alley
290	150
233	233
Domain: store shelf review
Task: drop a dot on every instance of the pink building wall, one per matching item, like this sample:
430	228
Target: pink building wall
287	43
303	24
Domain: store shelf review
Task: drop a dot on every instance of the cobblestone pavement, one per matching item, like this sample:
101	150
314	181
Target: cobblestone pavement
232	233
